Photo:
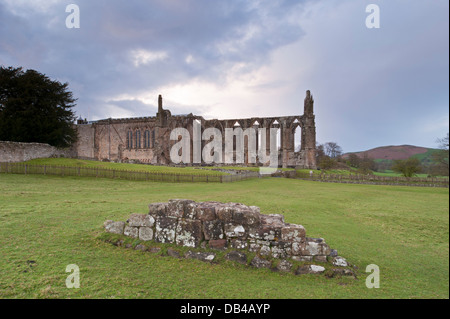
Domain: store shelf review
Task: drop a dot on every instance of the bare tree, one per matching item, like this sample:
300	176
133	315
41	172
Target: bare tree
443	143
440	158
333	150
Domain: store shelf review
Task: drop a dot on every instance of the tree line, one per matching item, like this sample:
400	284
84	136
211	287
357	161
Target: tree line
34	108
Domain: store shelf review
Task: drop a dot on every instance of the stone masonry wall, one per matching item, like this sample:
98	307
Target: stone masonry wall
229	226
19	152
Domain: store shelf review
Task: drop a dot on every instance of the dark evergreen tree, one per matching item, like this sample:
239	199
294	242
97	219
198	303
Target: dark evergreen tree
33	108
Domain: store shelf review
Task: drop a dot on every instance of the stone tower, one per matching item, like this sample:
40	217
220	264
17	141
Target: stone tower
309	133
162	115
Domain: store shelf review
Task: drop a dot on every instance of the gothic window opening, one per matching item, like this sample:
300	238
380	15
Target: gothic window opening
153	138
138	139
129	140
147	139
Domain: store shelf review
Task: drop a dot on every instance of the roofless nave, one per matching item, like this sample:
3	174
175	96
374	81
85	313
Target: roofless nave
147	139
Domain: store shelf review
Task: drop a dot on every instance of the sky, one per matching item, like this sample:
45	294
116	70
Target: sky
247	58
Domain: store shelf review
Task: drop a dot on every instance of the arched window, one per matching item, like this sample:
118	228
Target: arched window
153	138
129	139
297	138
138	139
147	139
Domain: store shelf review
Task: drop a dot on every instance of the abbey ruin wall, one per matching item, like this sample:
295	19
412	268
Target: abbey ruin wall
147	139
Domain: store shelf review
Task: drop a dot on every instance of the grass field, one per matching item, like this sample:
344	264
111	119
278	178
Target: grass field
48	222
72	162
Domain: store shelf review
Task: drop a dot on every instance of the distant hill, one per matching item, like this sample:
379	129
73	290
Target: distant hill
384	156
399	152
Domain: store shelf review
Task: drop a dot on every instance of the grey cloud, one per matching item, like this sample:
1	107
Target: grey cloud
96	57
361	79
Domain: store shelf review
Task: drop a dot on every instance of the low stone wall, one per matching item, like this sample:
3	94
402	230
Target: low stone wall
230	226
20	152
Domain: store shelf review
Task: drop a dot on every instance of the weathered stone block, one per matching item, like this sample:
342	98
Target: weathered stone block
265	250
239	244
140	247
107	222
316	269
254	248
165	229
321	259
298	248
178	207
190	211
246	216
205	212
265	232
309	269
154	249
218	243
316	240
260	263
341	272
302	258
224	213
293	233
262	242
131	231
237	256
278	252
340	261
145	233
233	231
200	256
284	266
189	233
274	220
114	227
139	220
157	209
213	229
312	248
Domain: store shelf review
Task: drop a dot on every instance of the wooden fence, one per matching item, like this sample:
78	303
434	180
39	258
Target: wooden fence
375	179
21	168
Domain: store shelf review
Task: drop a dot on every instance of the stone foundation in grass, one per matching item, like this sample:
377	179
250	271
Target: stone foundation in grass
240	230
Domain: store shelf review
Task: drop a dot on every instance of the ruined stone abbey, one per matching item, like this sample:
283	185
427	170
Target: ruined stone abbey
147	139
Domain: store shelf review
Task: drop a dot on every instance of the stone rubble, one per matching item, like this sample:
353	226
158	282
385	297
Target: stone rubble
223	226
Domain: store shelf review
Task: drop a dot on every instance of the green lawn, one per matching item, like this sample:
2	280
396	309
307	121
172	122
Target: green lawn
390	173
53	221
121	166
